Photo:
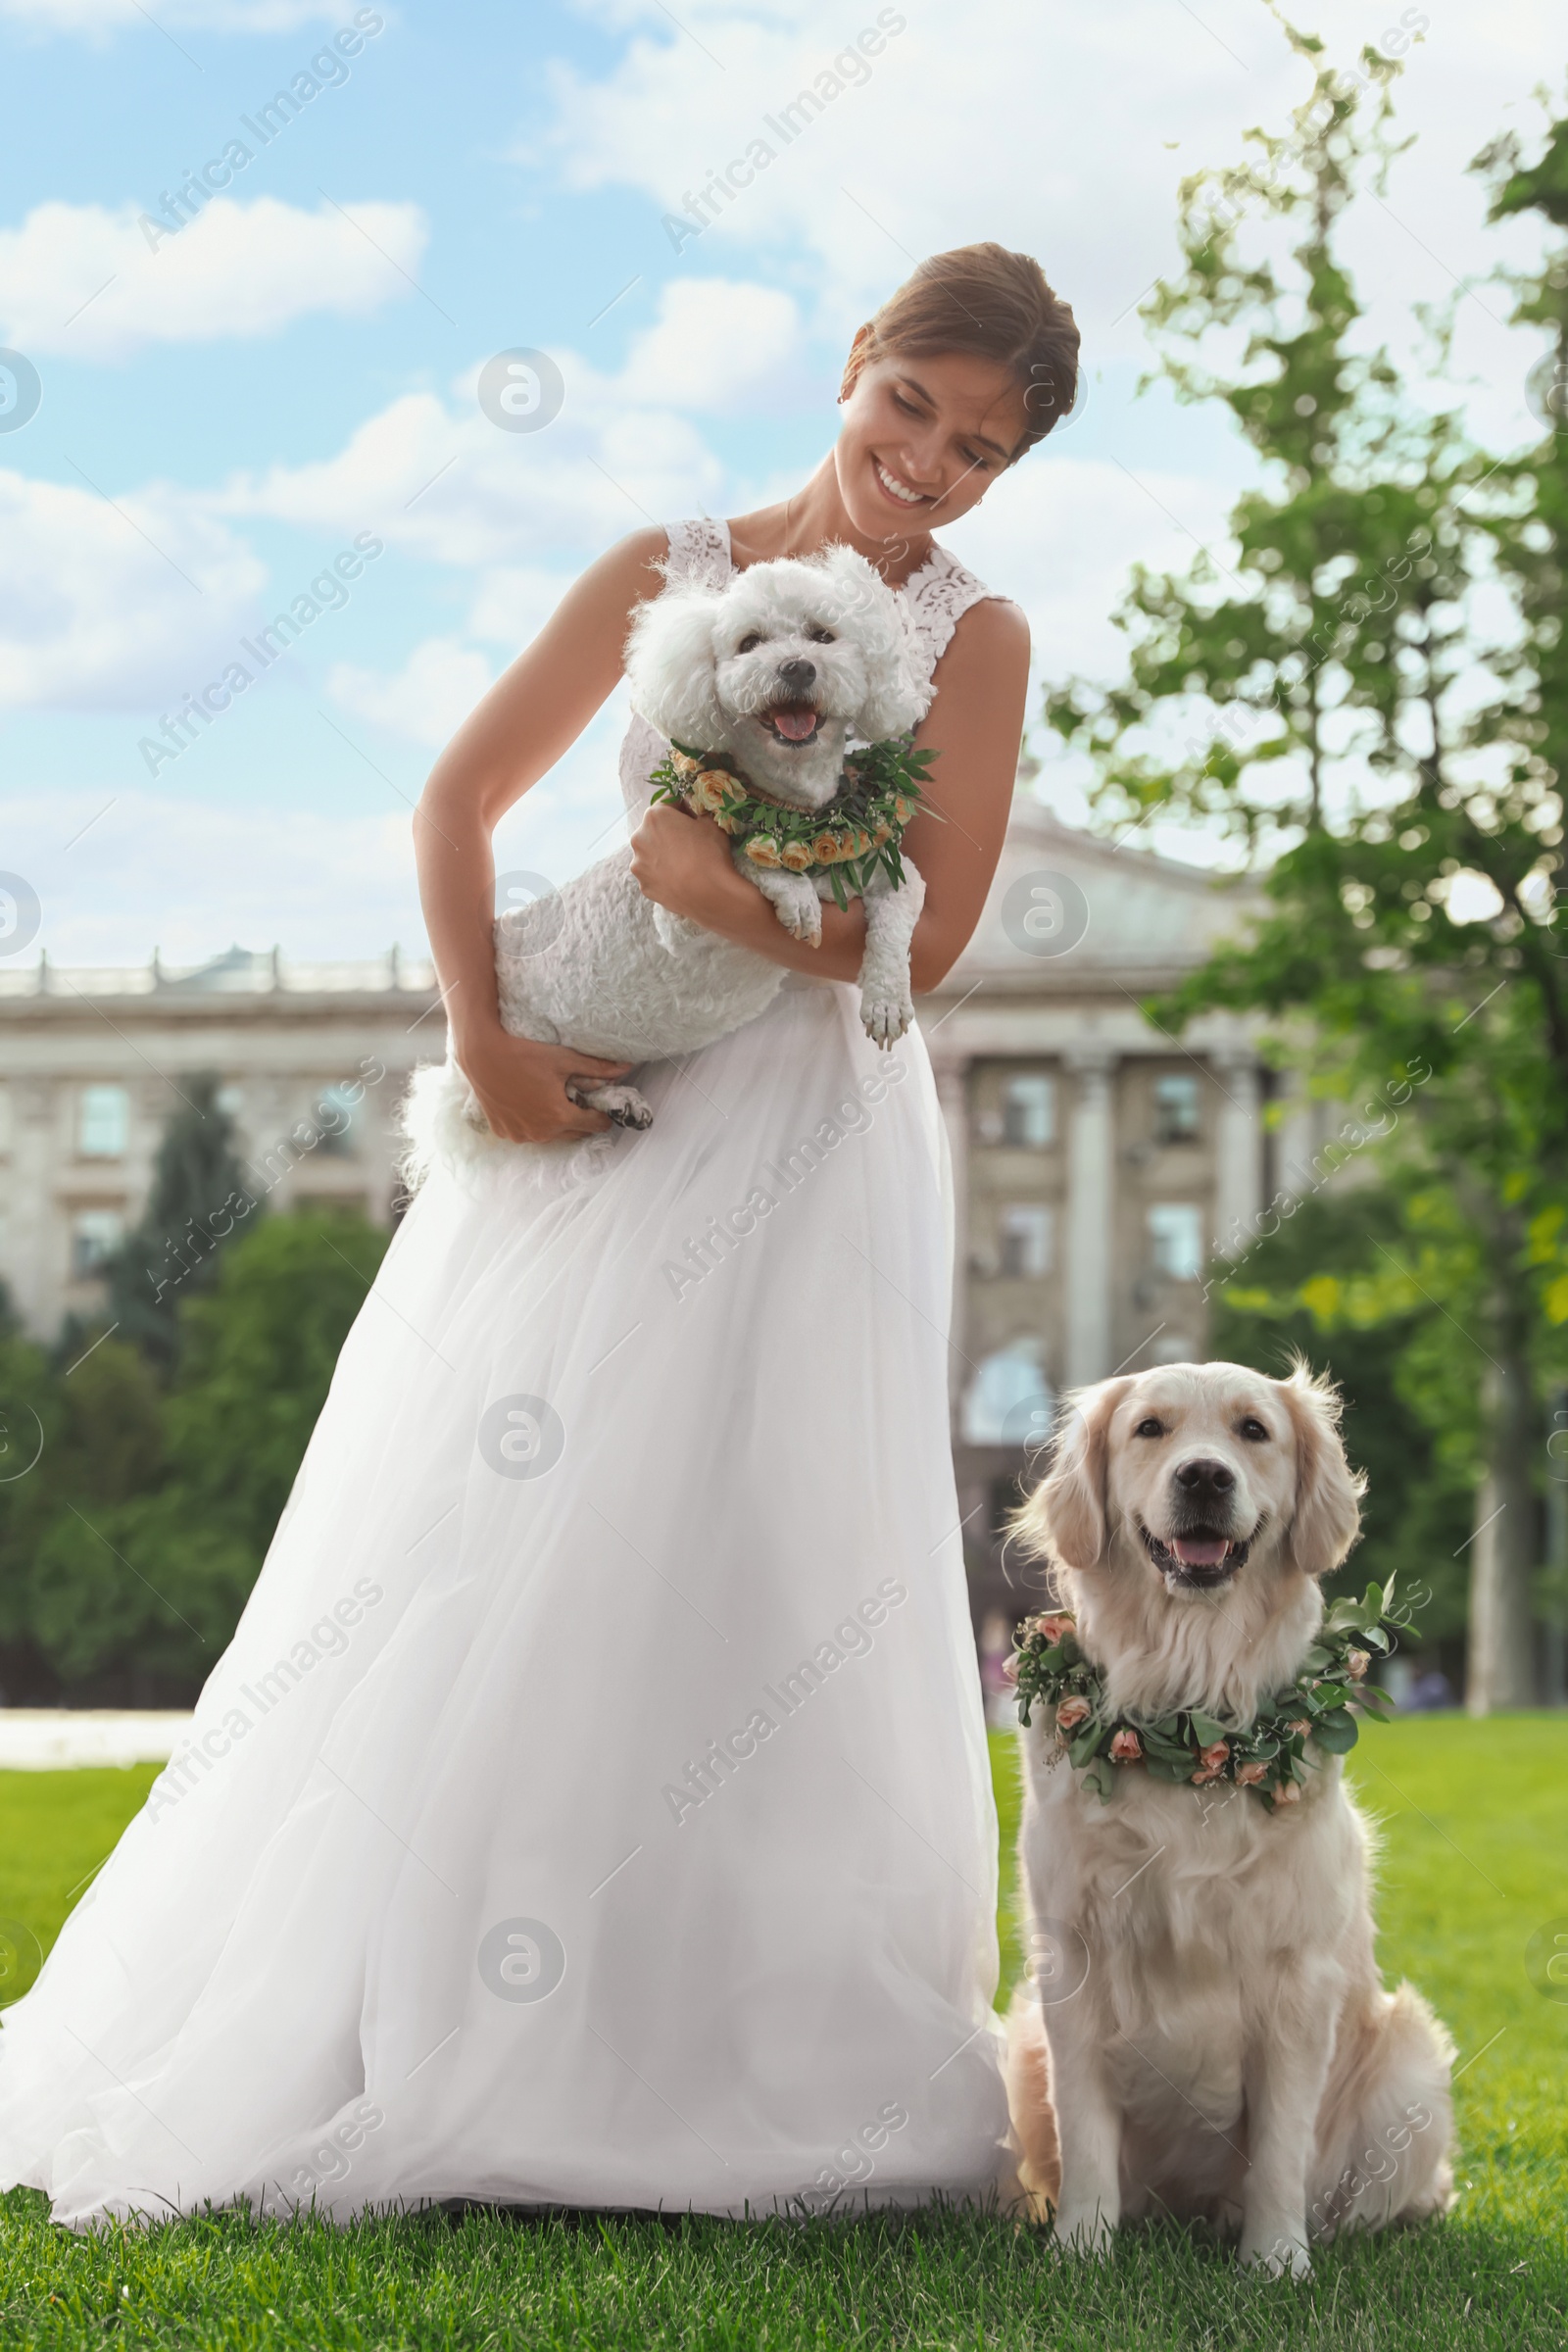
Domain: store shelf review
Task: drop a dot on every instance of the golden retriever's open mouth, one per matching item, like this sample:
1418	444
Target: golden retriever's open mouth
791	722
1200	1557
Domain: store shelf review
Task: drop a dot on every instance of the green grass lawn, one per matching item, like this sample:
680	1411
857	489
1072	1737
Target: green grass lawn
1475	1860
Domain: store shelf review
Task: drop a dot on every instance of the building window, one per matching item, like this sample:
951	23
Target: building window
103	1123
1026	1239
1175	1108
1176	1239
1029	1112
335	1115
1008	1401
95	1234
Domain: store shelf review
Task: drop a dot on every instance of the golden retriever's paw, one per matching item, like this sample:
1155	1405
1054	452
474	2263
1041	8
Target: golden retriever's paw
1284	2256
1084	2231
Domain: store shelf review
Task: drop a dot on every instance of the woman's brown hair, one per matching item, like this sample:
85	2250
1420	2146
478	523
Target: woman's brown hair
993	303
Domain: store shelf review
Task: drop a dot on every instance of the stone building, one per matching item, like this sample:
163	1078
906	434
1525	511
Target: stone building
1099	1164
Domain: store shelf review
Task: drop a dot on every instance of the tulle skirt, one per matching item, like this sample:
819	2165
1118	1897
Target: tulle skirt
592	1808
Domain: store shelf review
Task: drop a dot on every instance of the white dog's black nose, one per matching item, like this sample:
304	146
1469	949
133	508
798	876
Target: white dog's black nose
1202	1480
797	675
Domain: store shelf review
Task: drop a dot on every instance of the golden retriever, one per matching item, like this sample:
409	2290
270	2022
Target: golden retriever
1205	2032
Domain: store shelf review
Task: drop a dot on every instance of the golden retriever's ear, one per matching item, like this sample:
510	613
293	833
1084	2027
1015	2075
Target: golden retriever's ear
1064	1518
1328	1498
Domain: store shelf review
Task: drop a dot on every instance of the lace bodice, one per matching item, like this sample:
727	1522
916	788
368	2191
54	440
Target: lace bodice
938	596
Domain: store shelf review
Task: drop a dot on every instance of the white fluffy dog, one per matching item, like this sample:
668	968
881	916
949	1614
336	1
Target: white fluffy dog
1207	2035
781	671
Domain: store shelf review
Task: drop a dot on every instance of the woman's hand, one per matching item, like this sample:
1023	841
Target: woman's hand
522	1086
682	862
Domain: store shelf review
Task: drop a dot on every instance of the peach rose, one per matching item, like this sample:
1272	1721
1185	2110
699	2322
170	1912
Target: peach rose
709	789
882	831
1302	1728
1357	1663
762	849
1054	1628
1126	1749
1072	1713
1248	1776
796	855
682	762
1288	1792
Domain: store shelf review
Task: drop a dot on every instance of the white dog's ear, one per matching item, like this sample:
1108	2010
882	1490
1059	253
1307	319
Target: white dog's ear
1064	1518
670	666
1328	1498
899	693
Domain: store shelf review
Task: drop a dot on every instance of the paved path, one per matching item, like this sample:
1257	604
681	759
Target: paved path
52	1738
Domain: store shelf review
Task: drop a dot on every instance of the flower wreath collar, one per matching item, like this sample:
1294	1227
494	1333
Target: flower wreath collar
857	831
1267	1756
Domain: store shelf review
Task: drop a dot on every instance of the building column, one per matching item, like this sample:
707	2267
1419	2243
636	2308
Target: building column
1091	1191
953	1093
1238	1154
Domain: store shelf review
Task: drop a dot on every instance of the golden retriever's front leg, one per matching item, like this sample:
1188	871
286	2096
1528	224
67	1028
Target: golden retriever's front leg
1088	2121
1286	2074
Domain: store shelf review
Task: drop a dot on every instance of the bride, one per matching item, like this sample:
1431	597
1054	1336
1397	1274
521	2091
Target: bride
592	1808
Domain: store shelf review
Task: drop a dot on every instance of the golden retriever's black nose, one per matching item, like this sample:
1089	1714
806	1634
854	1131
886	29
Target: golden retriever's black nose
1204	1478
797	675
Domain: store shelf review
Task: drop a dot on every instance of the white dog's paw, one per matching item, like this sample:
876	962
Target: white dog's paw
1284	2256
624	1104
801	914
1084	2231
885	1019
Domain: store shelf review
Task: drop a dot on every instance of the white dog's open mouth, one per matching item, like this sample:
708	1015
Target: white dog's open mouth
1200	1556
791	722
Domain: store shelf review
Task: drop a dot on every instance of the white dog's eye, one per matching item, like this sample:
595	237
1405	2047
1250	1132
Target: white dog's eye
1254	1428
820	636
1149	1429
749	645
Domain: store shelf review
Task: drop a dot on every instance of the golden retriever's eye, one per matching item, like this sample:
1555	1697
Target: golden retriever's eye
749	645
820	636
1149	1429
1253	1429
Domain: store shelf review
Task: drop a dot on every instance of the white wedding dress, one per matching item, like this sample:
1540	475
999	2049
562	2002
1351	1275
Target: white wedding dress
592	1808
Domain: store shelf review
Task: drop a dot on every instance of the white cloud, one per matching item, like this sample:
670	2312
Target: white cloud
425	700
717	344
1059	534
1060	132
513	602
114	606
78	279
447	485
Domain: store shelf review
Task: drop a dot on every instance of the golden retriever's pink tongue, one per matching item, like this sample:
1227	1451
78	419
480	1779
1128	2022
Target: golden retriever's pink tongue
794	722
1196	1552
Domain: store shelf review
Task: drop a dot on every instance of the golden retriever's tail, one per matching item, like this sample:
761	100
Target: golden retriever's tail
1386	2132
1033	2111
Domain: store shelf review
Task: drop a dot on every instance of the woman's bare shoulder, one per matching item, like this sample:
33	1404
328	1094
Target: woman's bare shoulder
630	571
991	635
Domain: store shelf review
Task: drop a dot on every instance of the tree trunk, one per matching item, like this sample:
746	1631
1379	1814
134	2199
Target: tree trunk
1501	1665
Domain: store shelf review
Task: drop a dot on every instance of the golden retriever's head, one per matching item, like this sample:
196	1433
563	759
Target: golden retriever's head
1203	1487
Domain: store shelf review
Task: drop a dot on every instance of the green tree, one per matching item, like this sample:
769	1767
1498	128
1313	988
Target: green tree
145	1582
201	1198
1333	733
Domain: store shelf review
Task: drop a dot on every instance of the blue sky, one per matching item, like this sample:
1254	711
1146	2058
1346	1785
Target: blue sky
227	409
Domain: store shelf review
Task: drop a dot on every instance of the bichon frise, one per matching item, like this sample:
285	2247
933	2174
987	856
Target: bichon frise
765	689
1206	2033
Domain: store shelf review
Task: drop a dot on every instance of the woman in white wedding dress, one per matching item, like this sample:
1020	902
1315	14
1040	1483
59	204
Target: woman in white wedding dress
592	1808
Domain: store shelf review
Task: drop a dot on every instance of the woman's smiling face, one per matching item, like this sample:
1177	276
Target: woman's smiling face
923	438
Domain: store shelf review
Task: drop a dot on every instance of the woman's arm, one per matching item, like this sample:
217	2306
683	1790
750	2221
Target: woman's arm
976	726
531	716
